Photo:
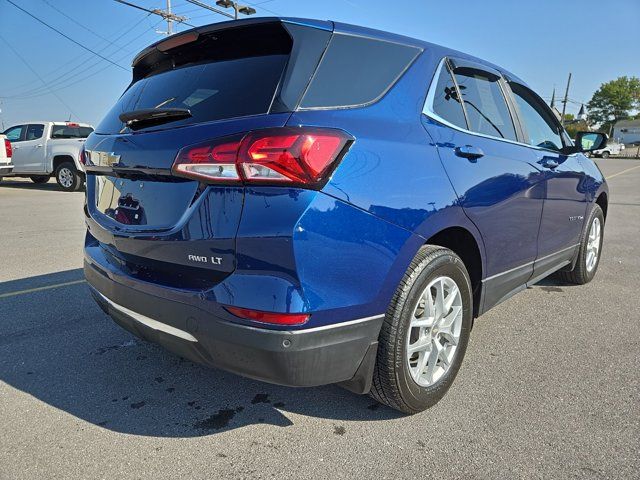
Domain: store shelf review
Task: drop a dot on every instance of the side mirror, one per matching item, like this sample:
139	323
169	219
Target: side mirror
590	141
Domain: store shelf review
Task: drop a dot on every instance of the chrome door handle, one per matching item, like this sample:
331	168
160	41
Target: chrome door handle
549	163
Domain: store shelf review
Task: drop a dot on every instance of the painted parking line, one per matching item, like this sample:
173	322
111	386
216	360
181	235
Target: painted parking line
39	289
623	171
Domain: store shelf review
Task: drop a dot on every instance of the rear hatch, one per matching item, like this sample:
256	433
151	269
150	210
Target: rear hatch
231	78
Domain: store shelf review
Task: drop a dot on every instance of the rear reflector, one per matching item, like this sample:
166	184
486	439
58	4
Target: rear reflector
268	317
290	156
8	148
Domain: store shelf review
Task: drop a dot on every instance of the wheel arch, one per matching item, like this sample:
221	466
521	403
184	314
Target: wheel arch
603	202
61	158
464	244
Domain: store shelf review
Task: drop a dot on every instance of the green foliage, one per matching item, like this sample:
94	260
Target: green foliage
575	127
614	101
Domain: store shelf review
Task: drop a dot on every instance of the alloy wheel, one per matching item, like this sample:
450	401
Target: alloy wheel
434	331
65	177
593	244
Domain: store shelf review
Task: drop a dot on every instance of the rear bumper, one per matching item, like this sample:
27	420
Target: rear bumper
340	353
5	169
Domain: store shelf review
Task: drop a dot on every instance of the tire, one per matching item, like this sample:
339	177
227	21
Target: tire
605	155
68	178
39	179
584	270
394	381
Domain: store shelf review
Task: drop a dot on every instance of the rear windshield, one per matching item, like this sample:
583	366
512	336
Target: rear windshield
65	131
228	75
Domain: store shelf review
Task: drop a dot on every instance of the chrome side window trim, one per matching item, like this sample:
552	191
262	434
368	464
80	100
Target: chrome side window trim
428	111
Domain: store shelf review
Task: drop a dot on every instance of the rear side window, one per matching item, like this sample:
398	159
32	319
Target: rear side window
66	131
537	118
484	102
356	71
34	131
446	103
230	74
14	134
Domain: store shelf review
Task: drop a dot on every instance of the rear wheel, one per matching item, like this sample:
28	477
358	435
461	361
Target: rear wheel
425	333
605	154
39	179
590	250
68	177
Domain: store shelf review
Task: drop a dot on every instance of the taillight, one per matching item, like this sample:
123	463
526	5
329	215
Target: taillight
8	148
83	157
291	156
269	317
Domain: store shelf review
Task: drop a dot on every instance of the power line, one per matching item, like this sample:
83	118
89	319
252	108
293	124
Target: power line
80	59
209	7
80	24
39	92
66	36
59	81
17	54
167	15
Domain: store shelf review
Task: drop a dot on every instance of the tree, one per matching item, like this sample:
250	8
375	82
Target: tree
614	101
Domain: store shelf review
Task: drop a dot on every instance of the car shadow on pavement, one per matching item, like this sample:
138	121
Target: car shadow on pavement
51	185
59	347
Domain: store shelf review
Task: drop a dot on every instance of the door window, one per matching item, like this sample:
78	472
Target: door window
34	132
14	134
446	103
484	102
538	121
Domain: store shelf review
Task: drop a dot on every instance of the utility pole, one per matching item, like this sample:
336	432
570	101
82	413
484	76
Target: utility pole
169	20
566	99
167	14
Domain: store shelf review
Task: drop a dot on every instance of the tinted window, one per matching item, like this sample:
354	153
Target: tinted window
34	131
537	119
486	107
356	71
14	134
446	103
66	131
211	91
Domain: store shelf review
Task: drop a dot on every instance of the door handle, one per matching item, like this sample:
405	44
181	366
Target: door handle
549	162
39	145
470	152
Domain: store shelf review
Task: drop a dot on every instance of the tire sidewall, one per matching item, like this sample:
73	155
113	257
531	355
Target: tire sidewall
447	264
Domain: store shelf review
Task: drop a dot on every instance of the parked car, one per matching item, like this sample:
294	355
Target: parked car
611	148
306	202
45	149
5	156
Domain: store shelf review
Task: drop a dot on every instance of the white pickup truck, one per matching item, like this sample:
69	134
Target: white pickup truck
45	149
5	156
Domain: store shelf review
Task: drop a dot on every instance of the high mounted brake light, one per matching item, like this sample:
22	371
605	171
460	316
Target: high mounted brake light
277	156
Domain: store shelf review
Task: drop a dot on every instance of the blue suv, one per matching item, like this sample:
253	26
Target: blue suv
306	202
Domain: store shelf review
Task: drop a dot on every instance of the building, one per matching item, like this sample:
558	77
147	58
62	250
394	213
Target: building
627	131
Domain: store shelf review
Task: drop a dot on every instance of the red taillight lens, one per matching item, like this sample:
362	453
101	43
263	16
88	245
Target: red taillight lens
269	317
292	156
8	148
83	157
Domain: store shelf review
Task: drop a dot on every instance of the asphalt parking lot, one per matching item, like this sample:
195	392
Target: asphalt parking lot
550	386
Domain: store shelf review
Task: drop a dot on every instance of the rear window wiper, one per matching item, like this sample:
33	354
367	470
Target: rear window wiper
147	117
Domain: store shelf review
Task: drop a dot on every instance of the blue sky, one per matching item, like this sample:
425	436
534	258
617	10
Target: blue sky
540	41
